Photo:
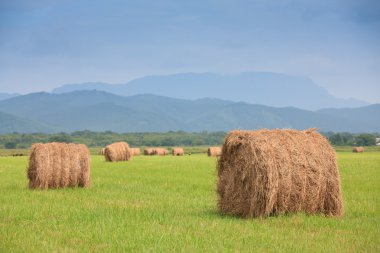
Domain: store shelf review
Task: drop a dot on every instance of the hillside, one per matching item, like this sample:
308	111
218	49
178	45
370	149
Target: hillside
101	111
10	123
4	96
271	89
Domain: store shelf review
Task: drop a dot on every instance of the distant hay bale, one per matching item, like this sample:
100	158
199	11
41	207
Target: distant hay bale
135	151
160	151
214	151
178	151
148	151
262	173
56	165
101	151
118	151
358	150
155	151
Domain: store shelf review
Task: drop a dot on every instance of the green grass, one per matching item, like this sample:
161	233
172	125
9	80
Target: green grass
168	204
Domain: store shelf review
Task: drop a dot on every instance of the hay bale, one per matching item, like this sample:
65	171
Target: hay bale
135	151
265	172
178	151
160	151
358	150
56	165
214	151
148	151
101	151
118	151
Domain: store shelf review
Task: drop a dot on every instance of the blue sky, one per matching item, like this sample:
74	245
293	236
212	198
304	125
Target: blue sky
44	44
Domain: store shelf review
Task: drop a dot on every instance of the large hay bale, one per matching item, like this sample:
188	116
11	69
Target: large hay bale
265	172
101	151
135	151
358	150
178	151
214	151
55	165
160	151
118	151
148	151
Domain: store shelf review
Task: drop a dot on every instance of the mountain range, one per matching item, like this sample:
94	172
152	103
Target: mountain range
266	88
100	111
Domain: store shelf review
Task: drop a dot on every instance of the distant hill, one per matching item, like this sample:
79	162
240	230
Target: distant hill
4	96
264	88
10	123
101	111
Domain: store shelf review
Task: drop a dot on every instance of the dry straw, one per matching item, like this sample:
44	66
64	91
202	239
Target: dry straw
358	150
214	151
178	151
148	151
135	151
160	151
118	151
55	165
101	151
262	173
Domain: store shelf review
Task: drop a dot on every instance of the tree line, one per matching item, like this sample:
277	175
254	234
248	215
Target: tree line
177	138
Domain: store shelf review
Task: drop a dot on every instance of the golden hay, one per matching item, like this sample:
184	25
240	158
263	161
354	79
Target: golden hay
135	151
101	152
214	151
148	151
178	151
160	151
262	173
118	151
358	150
56	165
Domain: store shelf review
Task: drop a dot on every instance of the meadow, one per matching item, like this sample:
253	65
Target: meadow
168	204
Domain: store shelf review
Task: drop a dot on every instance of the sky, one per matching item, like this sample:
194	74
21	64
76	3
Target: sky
45	44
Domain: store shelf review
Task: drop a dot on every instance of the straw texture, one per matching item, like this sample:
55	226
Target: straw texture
270	172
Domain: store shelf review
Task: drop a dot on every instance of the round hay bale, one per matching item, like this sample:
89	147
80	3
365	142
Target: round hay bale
57	165
358	150
148	151
178	151
214	151
160	151
118	151
101	151
135	151
262	173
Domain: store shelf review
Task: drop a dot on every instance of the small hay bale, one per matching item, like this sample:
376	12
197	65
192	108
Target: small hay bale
178	151
160	151
135	151
262	173
118	151
101	151
148	151
358	150
57	165
214	151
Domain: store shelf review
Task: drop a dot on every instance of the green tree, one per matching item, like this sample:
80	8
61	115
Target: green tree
10	145
365	140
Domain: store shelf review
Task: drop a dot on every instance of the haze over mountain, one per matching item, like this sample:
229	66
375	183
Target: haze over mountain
101	111
10	123
7	95
264	88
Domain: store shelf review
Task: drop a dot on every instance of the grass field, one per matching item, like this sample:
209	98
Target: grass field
168	204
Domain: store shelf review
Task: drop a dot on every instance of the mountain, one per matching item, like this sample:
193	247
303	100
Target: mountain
10	123
101	111
4	96
265	88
